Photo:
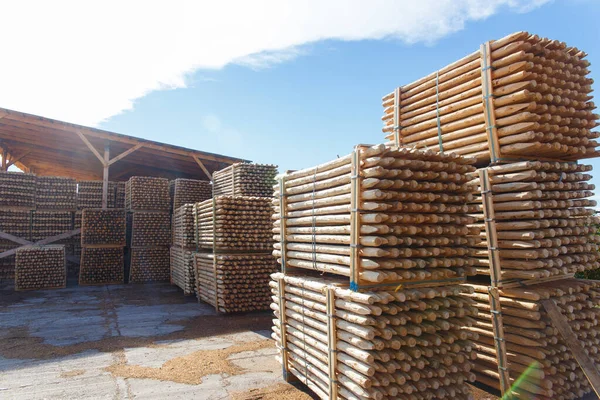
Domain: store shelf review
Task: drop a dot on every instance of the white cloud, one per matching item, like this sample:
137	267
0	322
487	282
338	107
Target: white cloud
85	61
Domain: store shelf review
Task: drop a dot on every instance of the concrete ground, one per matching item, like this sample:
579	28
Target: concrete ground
133	341
136	342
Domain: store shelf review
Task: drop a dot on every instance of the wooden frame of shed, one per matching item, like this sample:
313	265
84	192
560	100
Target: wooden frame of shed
48	147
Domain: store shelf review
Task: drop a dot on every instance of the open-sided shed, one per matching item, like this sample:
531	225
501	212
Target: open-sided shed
48	147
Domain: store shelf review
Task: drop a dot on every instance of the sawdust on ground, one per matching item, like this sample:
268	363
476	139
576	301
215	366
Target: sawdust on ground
191	368
72	374
17	343
274	392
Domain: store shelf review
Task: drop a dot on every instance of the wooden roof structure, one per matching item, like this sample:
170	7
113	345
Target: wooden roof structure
48	147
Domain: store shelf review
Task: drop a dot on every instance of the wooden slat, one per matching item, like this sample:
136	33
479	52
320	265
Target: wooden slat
49	240
15	239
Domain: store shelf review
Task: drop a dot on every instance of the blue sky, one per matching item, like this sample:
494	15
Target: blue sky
287	83
308	110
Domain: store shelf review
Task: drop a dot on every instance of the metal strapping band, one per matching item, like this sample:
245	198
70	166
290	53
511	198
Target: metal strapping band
437	111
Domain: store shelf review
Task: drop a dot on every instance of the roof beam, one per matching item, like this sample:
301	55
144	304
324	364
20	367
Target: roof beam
12	161
89	145
201	164
125	154
92	132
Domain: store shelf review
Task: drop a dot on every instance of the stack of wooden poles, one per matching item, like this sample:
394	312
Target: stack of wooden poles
149	229
16	223
410	224
395	344
34	209
17	190
56	193
234	223
89	194
373	248
40	267
148	247
245	179
540	364
234	238
17	198
234	282
183	248
519	96
119	194
143	193
188	191
45	224
545	223
103	238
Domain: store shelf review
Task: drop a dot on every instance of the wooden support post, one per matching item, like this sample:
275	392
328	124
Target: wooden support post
105	175
202	166
4	162
560	323
496	279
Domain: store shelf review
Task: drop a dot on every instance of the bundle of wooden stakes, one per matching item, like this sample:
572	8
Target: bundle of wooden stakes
184	234
233	271
403	344
89	194
540	364
17	190
184	244
56	193
234	223
188	191
245	179
234	282
182	269
40	267
18	224
149	229
102	266
521	96
540	220
45	224
119	194
103	227
148	202
149	235
144	193
401	218
103	238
